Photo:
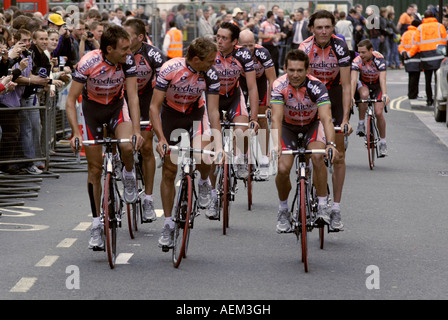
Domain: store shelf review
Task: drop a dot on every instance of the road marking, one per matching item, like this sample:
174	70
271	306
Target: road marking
82	226
47	261
123	258
20	213
159	212
23	285
395	104
22	227
66	243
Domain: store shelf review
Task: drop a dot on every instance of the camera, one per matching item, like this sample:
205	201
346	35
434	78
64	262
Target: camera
89	34
26	53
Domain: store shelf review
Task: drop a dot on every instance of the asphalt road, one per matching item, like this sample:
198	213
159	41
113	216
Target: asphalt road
393	246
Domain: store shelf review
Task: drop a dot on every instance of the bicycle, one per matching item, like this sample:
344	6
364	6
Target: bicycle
372	133
304	215
226	181
253	156
186	206
111	201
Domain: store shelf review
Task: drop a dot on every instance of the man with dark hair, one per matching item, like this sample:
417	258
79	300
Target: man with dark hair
148	60
330	63
308	99
270	36
100	76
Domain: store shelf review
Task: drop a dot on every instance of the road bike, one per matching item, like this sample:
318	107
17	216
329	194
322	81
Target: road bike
254	156
304	207
186	205
226	180
372	134
111	210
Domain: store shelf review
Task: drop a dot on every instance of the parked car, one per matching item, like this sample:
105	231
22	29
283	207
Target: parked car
441	90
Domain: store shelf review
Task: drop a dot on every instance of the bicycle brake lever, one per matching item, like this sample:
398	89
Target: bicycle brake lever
78	157
162	159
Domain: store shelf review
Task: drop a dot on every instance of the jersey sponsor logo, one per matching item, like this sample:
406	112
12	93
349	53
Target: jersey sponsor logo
260	54
245	54
89	63
228	72
170	68
339	49
186	89
324	65
314	88
97	81
212	74
155	55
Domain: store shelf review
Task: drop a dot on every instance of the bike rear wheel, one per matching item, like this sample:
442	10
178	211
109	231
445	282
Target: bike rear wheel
371	143
226	189
110	221
249	181
303	227
182	220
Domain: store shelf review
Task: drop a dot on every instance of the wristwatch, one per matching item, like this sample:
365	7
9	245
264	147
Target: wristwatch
331	143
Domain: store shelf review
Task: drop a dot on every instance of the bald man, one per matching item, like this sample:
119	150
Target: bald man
265	73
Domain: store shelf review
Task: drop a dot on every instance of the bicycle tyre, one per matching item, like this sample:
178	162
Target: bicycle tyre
370	133
249	181
302	207
182	220
313	206
226	197
132	213
110	223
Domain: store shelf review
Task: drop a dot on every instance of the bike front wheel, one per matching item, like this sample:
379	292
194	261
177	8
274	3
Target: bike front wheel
182	220
303	222
110	221
371	143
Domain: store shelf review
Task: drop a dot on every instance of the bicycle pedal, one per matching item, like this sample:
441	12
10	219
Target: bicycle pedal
98	248
165	248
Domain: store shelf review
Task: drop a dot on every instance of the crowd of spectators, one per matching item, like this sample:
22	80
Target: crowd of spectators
38	53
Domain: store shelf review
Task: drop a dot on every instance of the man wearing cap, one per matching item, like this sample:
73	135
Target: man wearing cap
237	16
65	47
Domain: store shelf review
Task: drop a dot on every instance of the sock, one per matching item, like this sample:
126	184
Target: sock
214	195
128	174
96	222
283	205
148	197
201	182
322	201
382	140
336	206
361	121
169	221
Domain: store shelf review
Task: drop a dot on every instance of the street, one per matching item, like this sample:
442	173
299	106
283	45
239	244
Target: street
393	246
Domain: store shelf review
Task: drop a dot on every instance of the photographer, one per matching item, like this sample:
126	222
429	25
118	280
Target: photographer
65	46
90	39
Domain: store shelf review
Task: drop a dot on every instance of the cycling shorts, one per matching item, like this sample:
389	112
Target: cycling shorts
174	123
235	105
312	132
337	109
374	90
92	119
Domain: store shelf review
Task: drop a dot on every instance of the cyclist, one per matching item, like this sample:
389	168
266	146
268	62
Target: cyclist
300	104
330	63
148	60
231	62
265	73
371	67
100	77
178	103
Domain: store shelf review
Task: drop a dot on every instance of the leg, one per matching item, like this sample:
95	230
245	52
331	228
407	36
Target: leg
149	169
362	108
283	184
428	87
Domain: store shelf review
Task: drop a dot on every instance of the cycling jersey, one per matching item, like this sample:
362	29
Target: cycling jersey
269	29
184	86
300	105
325	62
102	95
262	60
230	67
148	60
103	81
369	71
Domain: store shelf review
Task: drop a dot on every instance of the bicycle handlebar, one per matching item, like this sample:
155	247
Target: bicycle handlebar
105	141
190	149
369	100
303	151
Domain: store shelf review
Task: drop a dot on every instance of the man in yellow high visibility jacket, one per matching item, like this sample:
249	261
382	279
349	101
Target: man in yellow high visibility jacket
428	35
411	63
172	44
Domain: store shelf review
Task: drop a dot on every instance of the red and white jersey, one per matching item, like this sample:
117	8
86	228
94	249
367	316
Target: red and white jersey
184	86
369	71
300	104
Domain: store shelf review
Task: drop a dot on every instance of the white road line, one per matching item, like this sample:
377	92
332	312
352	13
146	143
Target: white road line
83	226
23	285
123	258
66	243
47	261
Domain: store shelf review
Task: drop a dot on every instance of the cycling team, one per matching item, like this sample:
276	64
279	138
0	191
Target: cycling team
127	80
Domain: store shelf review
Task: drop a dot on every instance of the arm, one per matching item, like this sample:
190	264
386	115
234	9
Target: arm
253	97
325	117
346	96
270	75
277	119
384	87
134	109
154	114
70	108
354	82
215	124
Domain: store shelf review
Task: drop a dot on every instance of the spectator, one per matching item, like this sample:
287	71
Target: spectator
64	48
119	17
140	14
393	59
92	15
405	19
237	17
205	29
345	28
373	25
428	35
270	36
299	31
285	29
445	21
358	31
172	44
79	35
411	63
181	23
